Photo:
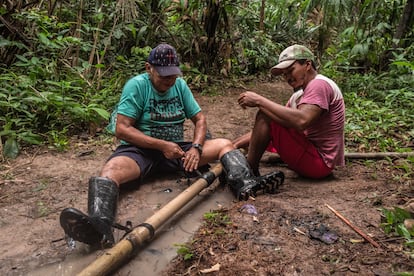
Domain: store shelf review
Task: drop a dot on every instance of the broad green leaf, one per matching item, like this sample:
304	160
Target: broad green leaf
44	39
31	138
11	148
101	112
402	231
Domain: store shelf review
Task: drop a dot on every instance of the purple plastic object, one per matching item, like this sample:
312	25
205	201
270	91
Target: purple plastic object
248	208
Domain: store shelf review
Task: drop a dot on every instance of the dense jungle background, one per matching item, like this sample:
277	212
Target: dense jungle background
63	65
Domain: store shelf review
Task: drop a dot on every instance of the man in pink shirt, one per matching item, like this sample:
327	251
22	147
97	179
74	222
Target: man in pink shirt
307	133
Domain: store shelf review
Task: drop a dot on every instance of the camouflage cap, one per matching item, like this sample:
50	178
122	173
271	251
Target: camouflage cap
289	56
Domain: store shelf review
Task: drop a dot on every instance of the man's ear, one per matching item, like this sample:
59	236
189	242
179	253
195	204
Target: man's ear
148	67
309	62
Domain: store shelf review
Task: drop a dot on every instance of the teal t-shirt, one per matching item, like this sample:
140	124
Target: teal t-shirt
157	115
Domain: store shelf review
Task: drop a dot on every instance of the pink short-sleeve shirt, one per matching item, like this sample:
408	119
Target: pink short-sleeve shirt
326	133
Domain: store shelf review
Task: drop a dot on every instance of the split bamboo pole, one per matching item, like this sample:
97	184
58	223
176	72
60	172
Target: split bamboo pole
124	249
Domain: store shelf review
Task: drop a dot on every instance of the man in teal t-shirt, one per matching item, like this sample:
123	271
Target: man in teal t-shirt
149	122
159	115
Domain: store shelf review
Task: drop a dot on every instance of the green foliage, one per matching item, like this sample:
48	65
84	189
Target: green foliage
406	169
42	96
359	49
194	77
11	149
68	72
394	224
378	125
58	140
404	274
214	219
184	250
217	218
367	38
380	113
259	51
29	108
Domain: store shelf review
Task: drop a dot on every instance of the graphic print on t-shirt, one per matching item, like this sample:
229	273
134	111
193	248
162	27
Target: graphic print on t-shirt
165	114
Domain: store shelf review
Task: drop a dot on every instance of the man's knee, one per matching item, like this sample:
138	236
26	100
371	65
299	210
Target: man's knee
219	146
121	169
262	118
218	143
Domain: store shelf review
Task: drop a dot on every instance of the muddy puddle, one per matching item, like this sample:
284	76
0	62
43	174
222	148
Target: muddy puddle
137	206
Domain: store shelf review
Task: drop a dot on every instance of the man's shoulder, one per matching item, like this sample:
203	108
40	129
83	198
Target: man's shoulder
324	81
180	82
139	78
181	87
137	83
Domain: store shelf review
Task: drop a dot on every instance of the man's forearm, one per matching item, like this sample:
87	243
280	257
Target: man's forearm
200	130
276	112
138	138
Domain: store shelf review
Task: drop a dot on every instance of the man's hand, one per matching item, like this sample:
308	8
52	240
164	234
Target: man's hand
172	151
249	99
191	159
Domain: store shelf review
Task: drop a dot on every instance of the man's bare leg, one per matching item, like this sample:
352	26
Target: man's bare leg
243	141
259	140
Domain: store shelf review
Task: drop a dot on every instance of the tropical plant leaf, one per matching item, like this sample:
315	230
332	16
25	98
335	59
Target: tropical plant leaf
11	148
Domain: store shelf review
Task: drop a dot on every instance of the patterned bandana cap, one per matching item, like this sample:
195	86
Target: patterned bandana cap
289	56
165	60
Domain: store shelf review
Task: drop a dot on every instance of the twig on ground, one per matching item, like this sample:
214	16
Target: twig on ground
299	231
356	229
32	158
393	239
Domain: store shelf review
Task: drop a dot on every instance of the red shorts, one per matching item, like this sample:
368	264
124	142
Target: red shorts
297	152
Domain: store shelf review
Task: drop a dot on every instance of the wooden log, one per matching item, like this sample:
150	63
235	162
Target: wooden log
275	158
377	155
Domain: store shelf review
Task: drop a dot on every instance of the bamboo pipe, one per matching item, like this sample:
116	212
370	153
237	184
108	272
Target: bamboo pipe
118	254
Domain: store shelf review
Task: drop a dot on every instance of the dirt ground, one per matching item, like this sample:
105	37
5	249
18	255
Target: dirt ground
268	235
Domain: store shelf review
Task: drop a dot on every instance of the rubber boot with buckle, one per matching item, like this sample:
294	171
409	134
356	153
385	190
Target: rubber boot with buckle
96	227
242	180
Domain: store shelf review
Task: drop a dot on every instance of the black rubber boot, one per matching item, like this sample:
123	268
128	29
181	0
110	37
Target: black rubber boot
95	228
241	179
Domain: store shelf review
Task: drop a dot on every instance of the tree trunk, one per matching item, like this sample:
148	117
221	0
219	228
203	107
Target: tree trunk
262	15
211	20
406	23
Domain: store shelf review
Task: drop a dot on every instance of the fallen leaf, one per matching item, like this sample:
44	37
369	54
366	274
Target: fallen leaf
214	268
356	240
